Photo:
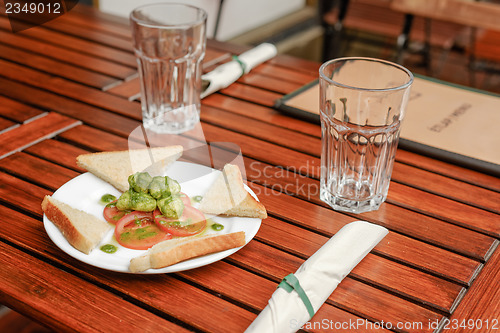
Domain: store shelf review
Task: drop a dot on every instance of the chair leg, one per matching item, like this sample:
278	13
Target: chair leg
329	43
472	57
402	41
333	34
427	47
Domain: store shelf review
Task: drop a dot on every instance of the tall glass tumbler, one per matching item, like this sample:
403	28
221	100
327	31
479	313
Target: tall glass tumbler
169	42
362	105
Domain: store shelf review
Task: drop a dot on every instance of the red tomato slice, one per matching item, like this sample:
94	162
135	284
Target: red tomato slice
138	231
190	223
185	199
113	214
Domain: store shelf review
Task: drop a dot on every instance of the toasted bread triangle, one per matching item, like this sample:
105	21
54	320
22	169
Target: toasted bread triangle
115	167
82	230
228	196
172	251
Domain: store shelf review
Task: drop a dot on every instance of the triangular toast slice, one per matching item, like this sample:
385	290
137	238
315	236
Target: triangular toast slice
115	167
228	196
172	251
82	230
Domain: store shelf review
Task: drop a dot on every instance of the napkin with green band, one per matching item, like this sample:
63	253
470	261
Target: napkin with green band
225	74
300	295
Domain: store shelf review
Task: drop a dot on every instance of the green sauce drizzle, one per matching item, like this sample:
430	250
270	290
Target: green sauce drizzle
109	248
107	198
197	198
217	227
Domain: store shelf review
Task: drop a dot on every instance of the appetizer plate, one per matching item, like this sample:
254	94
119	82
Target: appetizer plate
85	191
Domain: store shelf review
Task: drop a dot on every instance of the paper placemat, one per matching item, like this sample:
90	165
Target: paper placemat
446	121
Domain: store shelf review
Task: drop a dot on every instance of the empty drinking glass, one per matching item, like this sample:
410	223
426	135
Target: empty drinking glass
362	105
169	43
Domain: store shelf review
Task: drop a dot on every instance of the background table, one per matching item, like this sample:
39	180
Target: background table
70	87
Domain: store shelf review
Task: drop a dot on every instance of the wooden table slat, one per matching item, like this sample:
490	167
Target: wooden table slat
94	139
285	74
63	55
89	11
264	114
267	132
52	150
16	111
450	188
74	43
252	94
453	171
33	132
272	84
479	311
86	113
28	167
89	33
130	89
447	209
55	67
38	284
21	194
71	89
79	18
6	124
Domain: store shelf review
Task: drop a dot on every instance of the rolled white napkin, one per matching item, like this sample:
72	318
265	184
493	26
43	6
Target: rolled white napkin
225	74
318	276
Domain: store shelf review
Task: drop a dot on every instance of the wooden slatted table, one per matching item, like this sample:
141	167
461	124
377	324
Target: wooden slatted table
70	87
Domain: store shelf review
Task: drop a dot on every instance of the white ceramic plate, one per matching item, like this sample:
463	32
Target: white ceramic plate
84	192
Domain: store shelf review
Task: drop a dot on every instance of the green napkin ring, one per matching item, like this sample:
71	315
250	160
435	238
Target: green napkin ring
242	64
289	283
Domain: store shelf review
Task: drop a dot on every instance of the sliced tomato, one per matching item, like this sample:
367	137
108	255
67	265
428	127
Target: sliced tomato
113	214
190	223
138	231
185	199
